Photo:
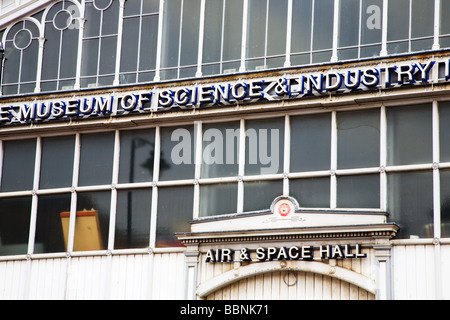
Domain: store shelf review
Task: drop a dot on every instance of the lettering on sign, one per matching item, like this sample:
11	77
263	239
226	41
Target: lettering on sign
220	94
261	254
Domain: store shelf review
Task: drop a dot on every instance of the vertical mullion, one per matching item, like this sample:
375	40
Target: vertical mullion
159	43
311	48
360	27
385	29
410	25
244	35
437	24
287	62
224	7
115	181
154	208
198	138
240	202
34	203
180	39
287	154
334	56
383	158
266	34
333	179
119	43
81	24
201	38
73	205
436	173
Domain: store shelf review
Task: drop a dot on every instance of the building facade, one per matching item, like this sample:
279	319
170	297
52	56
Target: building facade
225	149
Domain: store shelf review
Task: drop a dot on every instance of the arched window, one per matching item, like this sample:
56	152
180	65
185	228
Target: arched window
21	57
59	66
100	43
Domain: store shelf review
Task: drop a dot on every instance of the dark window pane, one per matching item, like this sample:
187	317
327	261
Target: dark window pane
232	38
259	195
52	213
398	20
175	209
137	152
358	139
311	143
410	203
349	23
264	150
217	199
133	219
212	42
445	203
276	29
220	150
96	159
311	192
301	26
323	24
57	162
358	191
409	135
92	221
149	39
177	153
372	22
171	34
14	225
190	33
18	165
256	28
444	131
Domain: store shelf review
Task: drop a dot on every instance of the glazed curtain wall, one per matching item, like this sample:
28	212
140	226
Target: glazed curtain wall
95	43
134	188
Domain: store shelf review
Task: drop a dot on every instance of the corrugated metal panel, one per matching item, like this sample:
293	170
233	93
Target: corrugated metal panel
134	276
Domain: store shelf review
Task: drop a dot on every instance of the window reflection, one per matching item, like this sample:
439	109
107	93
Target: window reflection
57	162
18	165
137	149
92	221
175	209
311	192
218	199
51	215
14	225
410	203
133	219
358	191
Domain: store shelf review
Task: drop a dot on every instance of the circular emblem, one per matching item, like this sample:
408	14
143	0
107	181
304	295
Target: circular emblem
284	209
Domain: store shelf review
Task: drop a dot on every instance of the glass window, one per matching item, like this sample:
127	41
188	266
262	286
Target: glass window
259	195
177	153
422	24
444	131
301	31
180	38
175	207
444	40
100	43
137	155
409	135
358	139
133	219
311	142
222	36
266	34
57	162
14	225
53	212
61	47
311	192
410	203
220	150
21	58
358	191
217	199
96	159
264	146
139	40
18	165
92	221
445	203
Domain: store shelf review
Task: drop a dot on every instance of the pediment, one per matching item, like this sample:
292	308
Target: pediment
287	220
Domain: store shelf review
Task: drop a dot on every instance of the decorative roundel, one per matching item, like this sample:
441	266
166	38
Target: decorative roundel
102	4
284	207
22	39
62	20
